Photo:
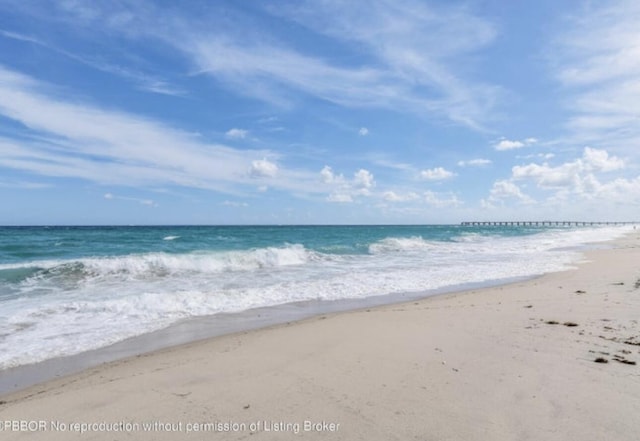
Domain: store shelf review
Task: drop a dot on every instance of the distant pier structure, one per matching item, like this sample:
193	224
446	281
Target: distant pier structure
540	223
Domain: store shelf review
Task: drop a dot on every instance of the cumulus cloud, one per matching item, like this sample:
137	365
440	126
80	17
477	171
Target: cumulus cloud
364	178
507	144
236	133
344	190
327	175
436	174
363	131
600	160
569	174
581	179
441	200
263	168
505	189
549	177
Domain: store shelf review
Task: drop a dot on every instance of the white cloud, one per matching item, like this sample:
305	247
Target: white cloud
545	156
364	179
436	174
235	204
597	59
625	191
71	139
474	163
142	81
410	48
573	184
344	190
24	185
602	44
76	134
147	202
392	196
263	169
340	198
506	144
363	131
549	177
383	161
570	174
440	200
503	190
270	73
236	133
327	175
411	55
599	160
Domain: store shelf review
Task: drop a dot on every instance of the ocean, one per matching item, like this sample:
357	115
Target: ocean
68	290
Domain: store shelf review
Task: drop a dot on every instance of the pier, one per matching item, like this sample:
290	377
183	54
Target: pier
541	223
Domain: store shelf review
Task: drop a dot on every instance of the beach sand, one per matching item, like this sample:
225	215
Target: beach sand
515	362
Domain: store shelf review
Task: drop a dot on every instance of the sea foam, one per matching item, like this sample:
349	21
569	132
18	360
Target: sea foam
55	307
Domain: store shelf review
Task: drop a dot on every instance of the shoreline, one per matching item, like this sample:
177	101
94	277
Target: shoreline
196	329
493	363
134	336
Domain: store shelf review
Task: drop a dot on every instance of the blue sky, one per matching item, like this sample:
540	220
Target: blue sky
319	111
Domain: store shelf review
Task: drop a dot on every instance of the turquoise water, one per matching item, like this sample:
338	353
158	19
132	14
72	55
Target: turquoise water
65	290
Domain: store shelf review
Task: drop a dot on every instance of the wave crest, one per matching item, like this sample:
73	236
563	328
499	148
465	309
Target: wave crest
398	244
161	264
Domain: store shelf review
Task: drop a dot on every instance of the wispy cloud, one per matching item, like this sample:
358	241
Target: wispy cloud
141	201
479	162
416	45
597	60
72	139
25	185
272	72
235	204
406	56
142	81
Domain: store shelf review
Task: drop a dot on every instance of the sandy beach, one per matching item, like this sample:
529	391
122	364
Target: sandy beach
515	362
